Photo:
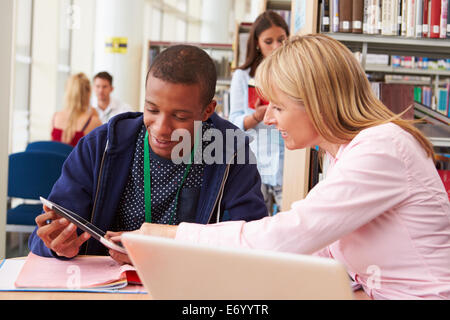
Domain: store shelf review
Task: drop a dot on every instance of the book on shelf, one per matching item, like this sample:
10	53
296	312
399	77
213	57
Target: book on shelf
448	19
423	95
377	59
407	18
444	15
411	18
422	63
435	18
365	16
419	19
334	12
398	98
325	15
425	17
399	16
387	18
345	16
404	21
442	100
373	17
438	101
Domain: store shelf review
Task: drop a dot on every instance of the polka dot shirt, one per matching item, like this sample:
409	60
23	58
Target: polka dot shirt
166	178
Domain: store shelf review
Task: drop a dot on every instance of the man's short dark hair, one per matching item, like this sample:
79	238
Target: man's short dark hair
105	76
186	64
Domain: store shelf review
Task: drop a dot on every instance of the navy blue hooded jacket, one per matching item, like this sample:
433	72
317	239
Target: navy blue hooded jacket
95	174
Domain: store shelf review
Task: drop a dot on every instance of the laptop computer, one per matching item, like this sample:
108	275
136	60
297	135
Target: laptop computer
174	270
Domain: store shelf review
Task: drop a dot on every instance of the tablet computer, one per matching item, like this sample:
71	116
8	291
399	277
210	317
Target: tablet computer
84	225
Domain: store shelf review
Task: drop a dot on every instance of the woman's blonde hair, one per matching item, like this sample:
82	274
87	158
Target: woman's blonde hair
323	74
76	102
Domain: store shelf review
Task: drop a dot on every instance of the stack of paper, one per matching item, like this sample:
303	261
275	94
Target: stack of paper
89	273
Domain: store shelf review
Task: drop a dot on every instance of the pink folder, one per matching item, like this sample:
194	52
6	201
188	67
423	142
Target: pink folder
88	272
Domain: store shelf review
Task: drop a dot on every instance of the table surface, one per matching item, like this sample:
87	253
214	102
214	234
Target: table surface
15	295
42	295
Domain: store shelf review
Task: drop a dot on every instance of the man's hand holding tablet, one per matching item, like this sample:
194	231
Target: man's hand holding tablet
59	234
57	226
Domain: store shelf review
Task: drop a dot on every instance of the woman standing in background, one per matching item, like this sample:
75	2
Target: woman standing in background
77	118
268	32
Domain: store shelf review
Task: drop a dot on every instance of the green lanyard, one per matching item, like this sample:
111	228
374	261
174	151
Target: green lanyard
148	181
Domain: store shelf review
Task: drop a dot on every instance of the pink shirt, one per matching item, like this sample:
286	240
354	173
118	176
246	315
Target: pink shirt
382	211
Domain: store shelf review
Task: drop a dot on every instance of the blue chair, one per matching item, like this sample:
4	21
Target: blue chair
50	146
30	175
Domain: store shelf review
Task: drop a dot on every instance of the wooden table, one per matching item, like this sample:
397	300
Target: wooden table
16	295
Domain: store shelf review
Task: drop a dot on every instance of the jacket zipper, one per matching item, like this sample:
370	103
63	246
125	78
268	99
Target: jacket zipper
98	188
222	186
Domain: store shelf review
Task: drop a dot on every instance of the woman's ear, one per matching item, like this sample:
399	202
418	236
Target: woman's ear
209	110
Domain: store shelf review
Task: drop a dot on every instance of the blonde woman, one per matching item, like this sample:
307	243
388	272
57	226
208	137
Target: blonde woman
77	118
382	210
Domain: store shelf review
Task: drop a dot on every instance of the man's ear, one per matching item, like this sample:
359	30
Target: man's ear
209	110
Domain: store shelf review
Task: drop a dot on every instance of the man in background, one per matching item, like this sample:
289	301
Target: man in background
107	106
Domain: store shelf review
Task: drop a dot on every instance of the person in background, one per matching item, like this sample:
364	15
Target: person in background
247	110
107	106
382	210
77	118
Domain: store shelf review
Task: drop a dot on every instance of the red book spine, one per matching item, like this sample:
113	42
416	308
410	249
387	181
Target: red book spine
425	24
435	20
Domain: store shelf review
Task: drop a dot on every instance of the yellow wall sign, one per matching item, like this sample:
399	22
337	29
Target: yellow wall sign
116	45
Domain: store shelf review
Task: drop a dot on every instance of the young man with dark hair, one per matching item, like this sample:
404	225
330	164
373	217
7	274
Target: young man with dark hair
106	105
124	174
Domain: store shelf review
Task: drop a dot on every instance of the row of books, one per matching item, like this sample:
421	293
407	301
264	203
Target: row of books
438	101
409	62
407	79
408	18
420	63
423	95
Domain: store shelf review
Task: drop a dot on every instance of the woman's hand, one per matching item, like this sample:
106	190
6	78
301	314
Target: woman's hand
158	230
252	120
260	110
117	256
149	229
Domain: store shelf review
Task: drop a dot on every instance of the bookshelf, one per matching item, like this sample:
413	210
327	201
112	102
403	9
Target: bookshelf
240	43
438	134
431	116
222	55
277	5
413	71
394	45
305	20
